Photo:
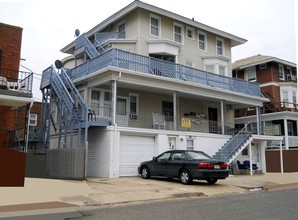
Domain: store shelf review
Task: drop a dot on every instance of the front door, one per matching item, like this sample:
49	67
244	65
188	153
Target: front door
172	143
213	120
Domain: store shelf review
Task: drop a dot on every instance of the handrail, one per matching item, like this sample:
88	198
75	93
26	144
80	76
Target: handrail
153	66
242	131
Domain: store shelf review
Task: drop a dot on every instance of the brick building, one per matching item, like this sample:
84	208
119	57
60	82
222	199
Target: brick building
278	82
15	87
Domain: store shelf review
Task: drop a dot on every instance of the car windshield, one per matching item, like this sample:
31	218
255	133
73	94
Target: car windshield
196	155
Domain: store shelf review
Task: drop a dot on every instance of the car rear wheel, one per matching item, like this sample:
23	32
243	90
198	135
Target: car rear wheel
145	173
185	177
211	180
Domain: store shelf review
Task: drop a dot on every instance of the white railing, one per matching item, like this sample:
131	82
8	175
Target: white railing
293	141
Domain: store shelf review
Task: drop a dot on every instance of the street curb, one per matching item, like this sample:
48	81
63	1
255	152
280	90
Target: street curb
280	186
36	209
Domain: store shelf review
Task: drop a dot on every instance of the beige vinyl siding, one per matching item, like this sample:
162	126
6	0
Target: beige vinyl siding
138	26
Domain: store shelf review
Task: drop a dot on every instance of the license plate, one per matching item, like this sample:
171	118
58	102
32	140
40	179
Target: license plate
216	166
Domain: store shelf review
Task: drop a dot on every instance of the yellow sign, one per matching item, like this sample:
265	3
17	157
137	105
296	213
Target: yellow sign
185	123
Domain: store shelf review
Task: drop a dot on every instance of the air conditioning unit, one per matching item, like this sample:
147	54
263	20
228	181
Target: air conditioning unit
291	78
3	82
16	86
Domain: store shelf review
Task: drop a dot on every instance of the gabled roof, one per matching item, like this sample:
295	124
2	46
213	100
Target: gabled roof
138	4
259	59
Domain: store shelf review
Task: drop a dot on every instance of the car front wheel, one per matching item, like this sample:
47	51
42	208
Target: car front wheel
145	173
185	177
211	180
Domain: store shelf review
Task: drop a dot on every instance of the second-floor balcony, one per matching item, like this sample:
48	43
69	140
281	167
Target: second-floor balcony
152	66
21	84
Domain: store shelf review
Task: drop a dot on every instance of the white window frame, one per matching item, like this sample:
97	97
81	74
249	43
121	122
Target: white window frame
249	71
204	42
263	66
158	27
33	118
135	115
281	70
222	48
192	33
285	97
189	144
181	34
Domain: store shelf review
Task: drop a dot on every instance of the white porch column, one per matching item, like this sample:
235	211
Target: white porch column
286	134
281	158
263	155
114	102
223	111
175	110
250	159
258	113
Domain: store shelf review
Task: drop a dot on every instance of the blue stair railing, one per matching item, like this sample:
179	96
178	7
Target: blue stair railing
235	145
72	111
83	41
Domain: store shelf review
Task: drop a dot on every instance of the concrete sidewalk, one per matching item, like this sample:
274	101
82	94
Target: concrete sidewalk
55	195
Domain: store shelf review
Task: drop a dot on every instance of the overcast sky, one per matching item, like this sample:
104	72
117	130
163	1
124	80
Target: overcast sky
49	25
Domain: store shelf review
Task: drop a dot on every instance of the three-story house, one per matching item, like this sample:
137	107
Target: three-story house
143	81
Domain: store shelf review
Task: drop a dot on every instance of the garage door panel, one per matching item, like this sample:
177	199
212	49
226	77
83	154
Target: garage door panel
134	150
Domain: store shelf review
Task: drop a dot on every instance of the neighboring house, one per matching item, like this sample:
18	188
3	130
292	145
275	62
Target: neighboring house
143	81
278	81
15	89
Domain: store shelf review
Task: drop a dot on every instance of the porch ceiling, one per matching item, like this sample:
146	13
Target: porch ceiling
163	85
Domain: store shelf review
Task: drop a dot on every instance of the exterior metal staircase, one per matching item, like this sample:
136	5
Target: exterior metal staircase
235	145
59	91
83	41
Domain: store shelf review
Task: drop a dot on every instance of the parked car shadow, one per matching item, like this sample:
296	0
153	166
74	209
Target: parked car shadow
177	181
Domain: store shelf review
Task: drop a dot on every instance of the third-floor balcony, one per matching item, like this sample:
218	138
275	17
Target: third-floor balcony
153	66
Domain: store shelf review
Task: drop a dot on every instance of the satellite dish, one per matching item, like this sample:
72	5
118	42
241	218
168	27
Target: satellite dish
77	32
58	64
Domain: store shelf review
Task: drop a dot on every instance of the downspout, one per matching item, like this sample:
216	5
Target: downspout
28	120
86	143
223	113
175	110
114	103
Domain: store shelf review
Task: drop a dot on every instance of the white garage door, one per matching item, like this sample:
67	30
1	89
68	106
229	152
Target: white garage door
133	150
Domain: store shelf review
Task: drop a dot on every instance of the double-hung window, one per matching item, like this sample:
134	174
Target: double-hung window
281	72
155	25
251	74
178	33
33	119
202	41
219	46
133	106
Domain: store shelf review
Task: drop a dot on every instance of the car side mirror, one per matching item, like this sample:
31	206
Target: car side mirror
154	158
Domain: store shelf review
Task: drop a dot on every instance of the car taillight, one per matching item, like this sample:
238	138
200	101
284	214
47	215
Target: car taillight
205	165
223	166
